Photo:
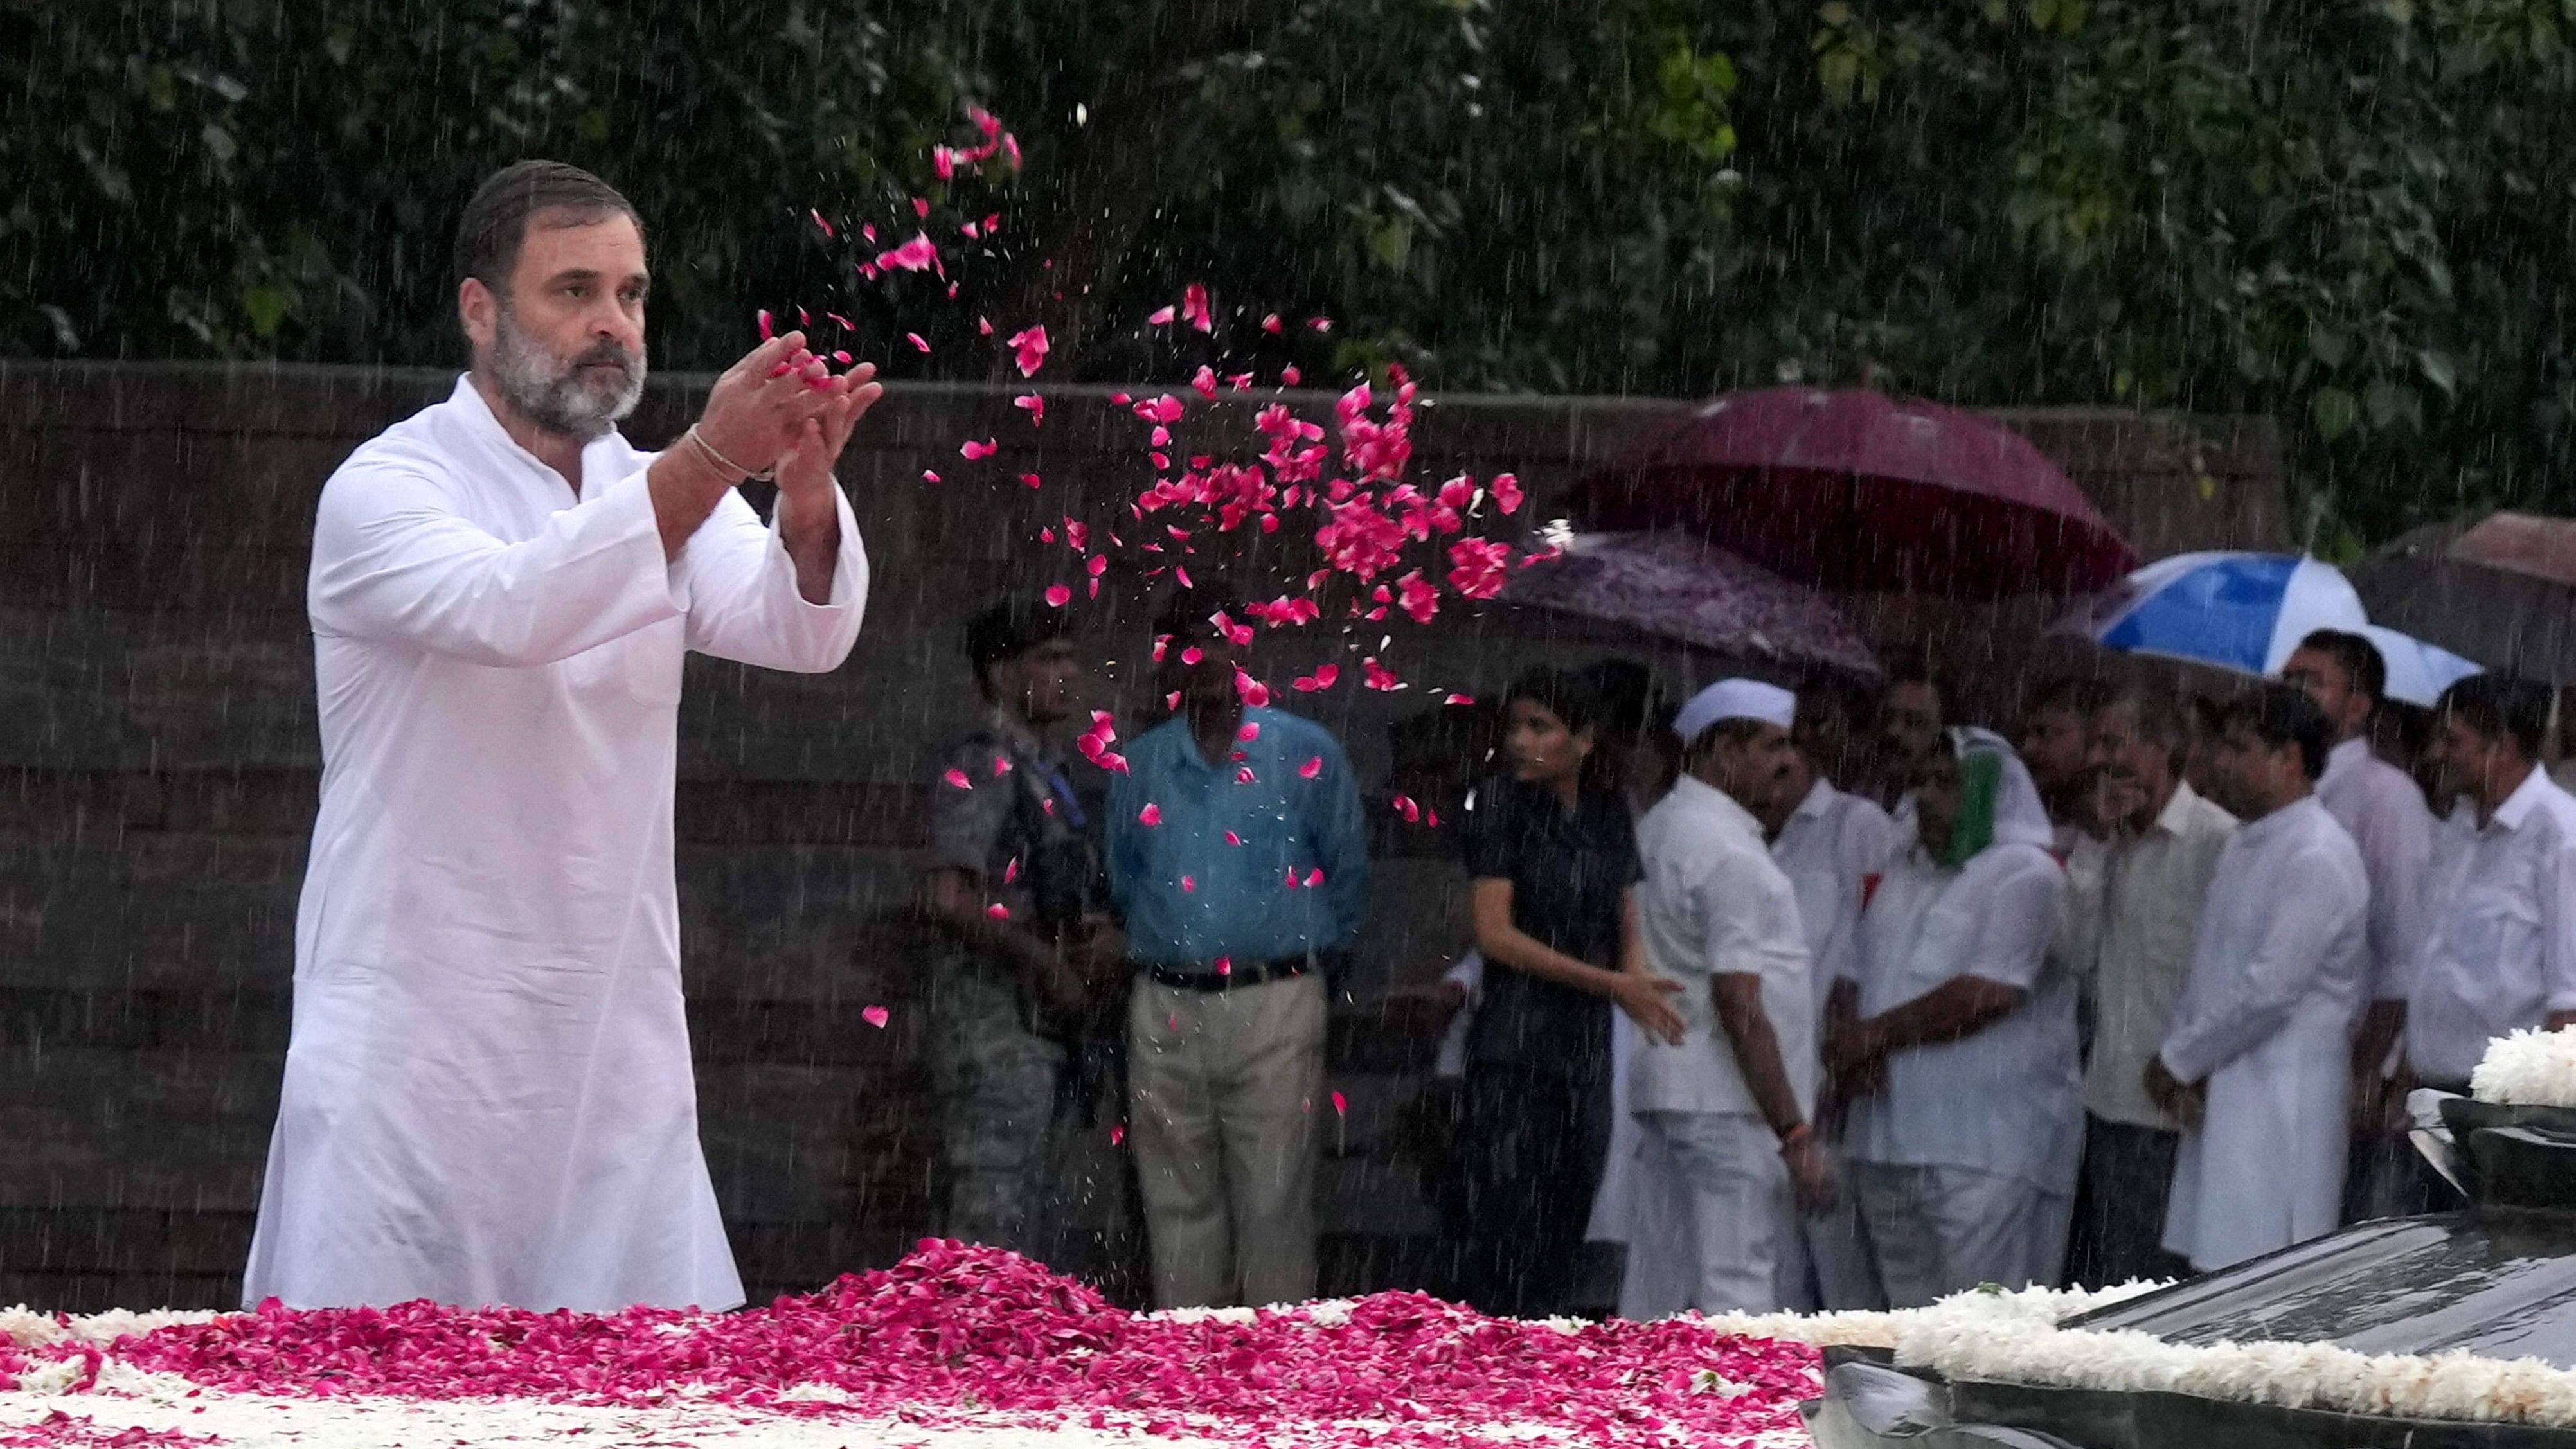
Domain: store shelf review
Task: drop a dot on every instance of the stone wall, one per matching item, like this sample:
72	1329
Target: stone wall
158	769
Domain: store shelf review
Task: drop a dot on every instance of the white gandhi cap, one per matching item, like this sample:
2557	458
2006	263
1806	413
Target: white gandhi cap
1735	699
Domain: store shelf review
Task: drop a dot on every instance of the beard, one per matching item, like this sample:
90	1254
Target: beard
560	395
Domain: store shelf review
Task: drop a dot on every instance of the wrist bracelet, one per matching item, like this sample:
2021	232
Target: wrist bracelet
720	460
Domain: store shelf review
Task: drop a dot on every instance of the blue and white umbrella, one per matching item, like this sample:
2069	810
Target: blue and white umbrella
2247	611
2239	611
2418	672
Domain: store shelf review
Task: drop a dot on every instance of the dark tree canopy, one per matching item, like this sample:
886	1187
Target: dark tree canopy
2358	216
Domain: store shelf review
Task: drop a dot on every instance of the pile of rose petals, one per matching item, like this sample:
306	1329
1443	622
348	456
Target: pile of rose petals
957	1335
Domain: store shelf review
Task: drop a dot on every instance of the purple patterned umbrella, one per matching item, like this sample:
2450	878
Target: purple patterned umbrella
1680	588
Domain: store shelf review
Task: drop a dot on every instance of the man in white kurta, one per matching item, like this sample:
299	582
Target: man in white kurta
2260	1046
1832	845
488	1096
1727	1105
1963	1059
2383	810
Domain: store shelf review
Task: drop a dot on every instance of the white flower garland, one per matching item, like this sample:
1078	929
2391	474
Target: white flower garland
2528	1069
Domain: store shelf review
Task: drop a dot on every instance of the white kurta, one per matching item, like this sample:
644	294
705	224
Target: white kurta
488	1096
2278	974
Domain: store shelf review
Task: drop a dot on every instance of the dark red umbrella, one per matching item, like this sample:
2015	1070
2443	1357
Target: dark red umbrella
1858	490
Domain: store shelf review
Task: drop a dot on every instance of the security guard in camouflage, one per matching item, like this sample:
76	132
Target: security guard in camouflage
1015	886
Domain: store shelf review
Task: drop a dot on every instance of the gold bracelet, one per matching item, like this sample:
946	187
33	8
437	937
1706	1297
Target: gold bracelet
722	463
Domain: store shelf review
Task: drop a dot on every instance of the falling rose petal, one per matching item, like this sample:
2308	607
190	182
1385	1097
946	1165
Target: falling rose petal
1192	654
920	207
1291	881
1152	814
1224	965
1341	1105
1459	699
1270	324
1203	382
927	476
1251	731
970	230
1057	596
1507	492
1189	883
958	778
1311	768
1172	700
1254	692
1320	324
983	327
1162	317
1033	405
1183	575
875	1016
1030	345
977	451
1239	381
1098	565
1290	376
1405	807
1118	1130
804	318
1244	776
868	231
1378	676
820	224
917	340
1233	839
913	256
1030	479
1194	307
998	911
768	324
1314	877
842	357
1047	534
1325	674
845	323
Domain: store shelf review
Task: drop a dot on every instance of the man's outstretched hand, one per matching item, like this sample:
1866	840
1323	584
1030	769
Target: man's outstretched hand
758	409
809	514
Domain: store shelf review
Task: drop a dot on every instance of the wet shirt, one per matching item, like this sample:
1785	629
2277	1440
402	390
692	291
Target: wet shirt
2002	1100
2500	946
1567	870
1715	904
1256	857
2132	916
2383	811
1004	810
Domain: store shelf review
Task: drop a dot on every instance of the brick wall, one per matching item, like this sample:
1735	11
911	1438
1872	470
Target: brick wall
158	769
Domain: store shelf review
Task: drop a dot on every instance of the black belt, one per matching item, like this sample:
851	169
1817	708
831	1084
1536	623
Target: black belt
1195	977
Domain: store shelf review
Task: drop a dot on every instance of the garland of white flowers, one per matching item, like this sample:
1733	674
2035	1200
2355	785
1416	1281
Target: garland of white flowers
2528	1069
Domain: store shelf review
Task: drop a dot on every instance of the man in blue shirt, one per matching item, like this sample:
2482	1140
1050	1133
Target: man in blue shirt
1239	859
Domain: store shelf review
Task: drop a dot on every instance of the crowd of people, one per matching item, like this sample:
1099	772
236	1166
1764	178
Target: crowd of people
1812	998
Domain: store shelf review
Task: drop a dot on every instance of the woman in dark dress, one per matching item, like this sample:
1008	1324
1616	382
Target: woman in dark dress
1554	860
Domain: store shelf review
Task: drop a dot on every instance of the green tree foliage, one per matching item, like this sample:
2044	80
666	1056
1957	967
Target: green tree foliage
2354	216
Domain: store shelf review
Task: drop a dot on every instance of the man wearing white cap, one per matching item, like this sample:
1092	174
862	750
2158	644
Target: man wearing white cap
1728	1103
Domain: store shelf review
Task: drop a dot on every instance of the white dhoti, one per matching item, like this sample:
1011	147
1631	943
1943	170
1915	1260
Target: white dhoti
1707	1231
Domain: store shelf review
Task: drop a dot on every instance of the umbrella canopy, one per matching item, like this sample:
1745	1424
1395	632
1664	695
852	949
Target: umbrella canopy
2417	672
1857	490
1680	588
2500	589
2239	611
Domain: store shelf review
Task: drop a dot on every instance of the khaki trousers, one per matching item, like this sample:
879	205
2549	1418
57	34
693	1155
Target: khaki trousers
1224	1092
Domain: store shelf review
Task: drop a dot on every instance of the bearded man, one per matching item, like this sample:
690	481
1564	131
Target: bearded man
488	1096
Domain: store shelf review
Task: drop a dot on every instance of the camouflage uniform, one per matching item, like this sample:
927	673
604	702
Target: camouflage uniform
1000	1069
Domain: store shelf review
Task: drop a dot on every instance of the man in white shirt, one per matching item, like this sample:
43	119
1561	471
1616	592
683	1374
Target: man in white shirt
488	1096
1729	1102
1963	1056
2379	806
2258	1059
1831	845
2499	946
2133	906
